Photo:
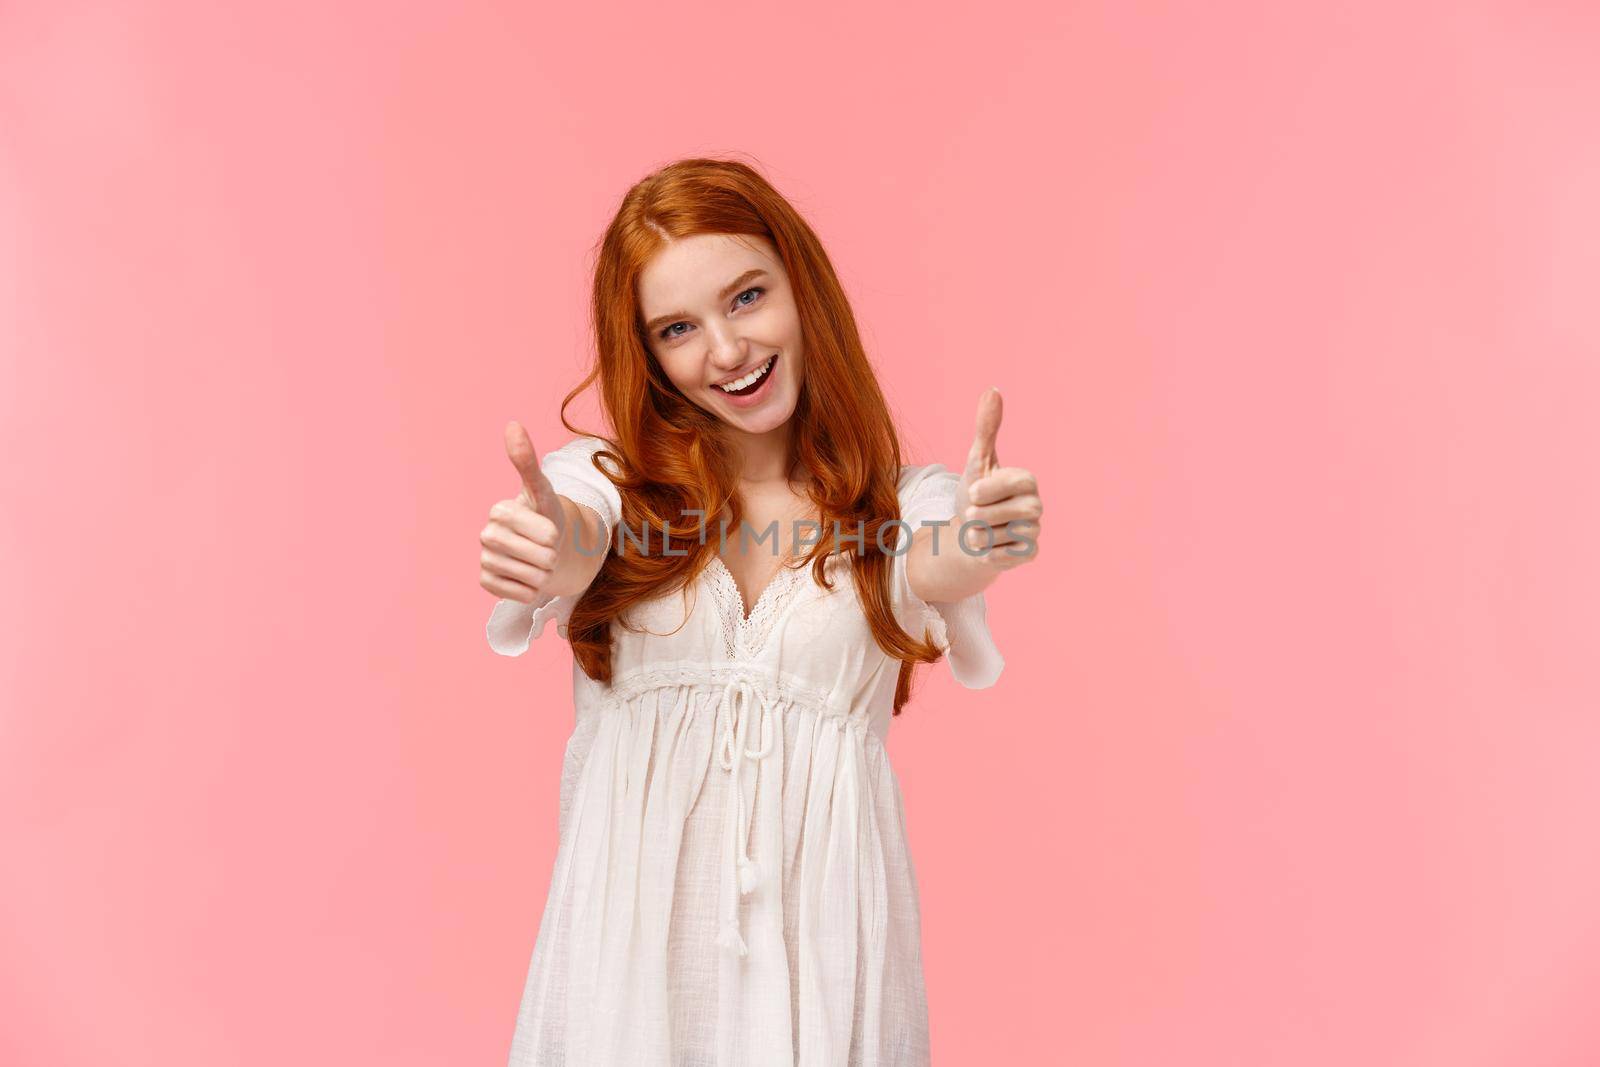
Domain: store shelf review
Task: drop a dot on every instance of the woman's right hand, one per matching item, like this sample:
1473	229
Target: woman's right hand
521	543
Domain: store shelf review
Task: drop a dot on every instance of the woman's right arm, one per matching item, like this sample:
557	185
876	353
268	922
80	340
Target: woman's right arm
551	539
582	550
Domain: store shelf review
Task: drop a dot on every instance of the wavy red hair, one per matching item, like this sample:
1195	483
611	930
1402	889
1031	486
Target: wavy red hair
842	432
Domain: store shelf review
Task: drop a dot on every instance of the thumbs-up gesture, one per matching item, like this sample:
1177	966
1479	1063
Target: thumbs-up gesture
998	501
524	534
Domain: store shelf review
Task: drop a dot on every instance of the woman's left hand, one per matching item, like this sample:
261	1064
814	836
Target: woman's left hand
1001	503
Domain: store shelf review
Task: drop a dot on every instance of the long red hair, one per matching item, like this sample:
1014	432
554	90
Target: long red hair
670	457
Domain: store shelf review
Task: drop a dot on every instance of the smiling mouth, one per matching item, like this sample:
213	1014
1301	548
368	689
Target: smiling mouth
750	382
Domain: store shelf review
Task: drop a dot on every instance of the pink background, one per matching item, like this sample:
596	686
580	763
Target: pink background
1294	760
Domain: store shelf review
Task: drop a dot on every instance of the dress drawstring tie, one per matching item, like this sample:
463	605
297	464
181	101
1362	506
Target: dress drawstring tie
740	872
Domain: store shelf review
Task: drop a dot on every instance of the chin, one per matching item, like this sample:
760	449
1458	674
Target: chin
764	421
764	424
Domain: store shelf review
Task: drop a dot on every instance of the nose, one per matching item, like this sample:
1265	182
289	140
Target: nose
728	351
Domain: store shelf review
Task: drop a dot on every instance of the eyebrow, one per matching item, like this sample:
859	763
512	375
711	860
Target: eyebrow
727	291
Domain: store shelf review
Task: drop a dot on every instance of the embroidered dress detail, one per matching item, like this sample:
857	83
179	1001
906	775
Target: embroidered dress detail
732	884
744	635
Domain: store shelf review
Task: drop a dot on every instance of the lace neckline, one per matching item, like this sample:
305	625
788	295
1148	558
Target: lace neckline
788	564
745	635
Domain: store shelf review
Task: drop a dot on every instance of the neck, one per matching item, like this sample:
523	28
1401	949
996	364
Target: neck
764	457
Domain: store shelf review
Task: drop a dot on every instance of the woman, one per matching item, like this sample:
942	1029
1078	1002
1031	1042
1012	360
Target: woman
732	884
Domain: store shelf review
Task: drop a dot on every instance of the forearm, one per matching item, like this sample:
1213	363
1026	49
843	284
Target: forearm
579	556
943	573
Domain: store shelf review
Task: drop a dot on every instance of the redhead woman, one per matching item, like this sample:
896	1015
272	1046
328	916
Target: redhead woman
746	573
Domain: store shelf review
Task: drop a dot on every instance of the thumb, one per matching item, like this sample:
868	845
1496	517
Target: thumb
536	488
982	458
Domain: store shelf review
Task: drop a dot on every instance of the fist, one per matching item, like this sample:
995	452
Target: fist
521	541
1001	503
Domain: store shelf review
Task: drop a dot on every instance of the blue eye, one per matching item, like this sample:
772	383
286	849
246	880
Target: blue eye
666	331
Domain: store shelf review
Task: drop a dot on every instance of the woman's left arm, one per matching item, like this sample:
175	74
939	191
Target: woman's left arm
995	526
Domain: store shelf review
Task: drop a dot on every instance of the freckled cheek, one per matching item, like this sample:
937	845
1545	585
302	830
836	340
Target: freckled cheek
681	373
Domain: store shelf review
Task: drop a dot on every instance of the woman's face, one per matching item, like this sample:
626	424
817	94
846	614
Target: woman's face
718	311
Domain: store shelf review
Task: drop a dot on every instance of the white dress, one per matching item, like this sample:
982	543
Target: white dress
732	884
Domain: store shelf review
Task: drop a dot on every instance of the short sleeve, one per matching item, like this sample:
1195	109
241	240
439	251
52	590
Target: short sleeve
960	628
514	625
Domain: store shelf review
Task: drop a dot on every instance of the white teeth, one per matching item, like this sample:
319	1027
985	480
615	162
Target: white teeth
753	376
